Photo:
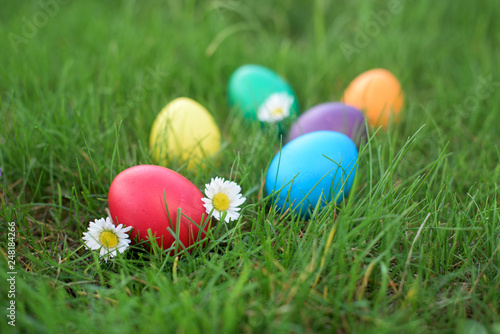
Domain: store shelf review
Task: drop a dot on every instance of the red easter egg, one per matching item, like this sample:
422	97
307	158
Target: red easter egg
148	197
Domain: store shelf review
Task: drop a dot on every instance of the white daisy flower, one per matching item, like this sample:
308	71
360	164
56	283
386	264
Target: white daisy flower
275	108
223	196
104	235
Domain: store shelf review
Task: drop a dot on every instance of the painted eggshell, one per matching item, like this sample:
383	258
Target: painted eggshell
261	94
378	94
184	130
333	116
317	166
149	197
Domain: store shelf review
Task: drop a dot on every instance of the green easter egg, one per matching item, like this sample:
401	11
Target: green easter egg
261	94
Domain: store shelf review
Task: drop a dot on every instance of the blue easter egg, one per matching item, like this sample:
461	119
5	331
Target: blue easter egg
317	166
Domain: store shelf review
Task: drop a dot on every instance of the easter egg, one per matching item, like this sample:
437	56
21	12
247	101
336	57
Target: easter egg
259	93
378	94
333	116
184	130
154	198
317	166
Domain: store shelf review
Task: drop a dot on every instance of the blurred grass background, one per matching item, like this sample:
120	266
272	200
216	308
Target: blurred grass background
80	90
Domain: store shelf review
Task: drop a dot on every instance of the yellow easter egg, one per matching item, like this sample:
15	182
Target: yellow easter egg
378	94
184	130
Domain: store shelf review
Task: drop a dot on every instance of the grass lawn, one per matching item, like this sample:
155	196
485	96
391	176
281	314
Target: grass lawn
413	249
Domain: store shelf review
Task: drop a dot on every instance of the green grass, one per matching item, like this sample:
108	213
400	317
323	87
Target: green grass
415	247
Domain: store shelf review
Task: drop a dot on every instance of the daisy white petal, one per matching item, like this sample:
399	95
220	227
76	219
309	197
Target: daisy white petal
238	201
275	108
104	236
223	196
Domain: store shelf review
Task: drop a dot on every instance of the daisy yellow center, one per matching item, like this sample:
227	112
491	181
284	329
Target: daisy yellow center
109	239
277	112
221	202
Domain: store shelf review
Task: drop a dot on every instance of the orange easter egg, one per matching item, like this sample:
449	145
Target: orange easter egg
378	93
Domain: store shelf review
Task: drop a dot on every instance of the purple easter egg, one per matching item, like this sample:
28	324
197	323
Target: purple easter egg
333	116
